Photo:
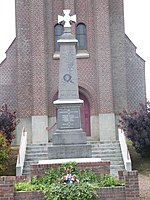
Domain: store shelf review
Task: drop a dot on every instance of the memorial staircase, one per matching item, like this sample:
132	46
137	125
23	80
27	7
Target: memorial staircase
109	151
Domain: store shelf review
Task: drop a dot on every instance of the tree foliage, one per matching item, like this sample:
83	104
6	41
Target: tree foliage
8	122
136	126
4	150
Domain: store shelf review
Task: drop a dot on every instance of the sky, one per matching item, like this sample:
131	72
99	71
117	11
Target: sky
136	12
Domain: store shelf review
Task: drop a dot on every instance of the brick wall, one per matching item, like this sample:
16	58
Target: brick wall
128	192
113	193
131	184
8	78
7	187
34	195
98	167
135	66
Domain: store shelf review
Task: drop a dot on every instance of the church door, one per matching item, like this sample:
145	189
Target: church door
85	115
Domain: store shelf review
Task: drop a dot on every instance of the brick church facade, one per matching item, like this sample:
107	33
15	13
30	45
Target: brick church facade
111	75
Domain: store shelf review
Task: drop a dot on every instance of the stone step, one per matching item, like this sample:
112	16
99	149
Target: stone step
111	159
39	145
106	146
116	167
104	143
26	171
37	149
107	156
37	152
108	151
27	163
30	149
114	162
34	158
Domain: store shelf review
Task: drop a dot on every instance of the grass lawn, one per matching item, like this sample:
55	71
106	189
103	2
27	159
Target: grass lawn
138	163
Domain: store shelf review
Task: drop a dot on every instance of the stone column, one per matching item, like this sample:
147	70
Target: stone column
24	84
117	38
104	70
39	73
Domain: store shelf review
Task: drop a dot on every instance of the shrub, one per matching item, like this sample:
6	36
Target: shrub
136	126
68	183
4	150
8	122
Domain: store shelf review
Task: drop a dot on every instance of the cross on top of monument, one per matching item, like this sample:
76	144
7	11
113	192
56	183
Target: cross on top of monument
67	18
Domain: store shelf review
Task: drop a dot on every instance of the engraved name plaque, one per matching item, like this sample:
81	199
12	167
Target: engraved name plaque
69	118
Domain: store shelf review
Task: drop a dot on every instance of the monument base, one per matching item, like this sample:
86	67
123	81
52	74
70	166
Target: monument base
64	137
69	151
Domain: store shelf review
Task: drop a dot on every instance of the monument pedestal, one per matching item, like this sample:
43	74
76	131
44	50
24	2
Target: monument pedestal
68	123
69	151
65	137
69	140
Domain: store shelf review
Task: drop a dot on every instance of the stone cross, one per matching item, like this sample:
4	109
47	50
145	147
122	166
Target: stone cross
66	18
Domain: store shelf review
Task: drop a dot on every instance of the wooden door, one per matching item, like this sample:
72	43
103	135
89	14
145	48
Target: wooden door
85	115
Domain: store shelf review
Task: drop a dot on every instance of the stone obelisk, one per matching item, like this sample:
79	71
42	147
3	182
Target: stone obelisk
69	140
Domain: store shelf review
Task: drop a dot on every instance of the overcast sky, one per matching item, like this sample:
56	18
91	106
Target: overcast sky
137	14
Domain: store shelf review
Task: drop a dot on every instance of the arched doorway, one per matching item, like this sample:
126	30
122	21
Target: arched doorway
85	115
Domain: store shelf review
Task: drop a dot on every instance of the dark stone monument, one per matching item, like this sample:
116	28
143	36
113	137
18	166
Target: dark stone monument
69	140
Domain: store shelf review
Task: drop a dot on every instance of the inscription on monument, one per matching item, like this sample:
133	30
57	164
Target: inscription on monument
68	94
67	78
69	118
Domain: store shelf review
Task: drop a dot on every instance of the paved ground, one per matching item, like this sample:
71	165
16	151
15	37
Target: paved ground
144	185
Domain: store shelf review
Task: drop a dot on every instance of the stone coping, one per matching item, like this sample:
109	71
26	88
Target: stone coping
67	41
68	101
78	160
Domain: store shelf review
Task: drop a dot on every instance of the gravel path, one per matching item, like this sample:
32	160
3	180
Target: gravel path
144	186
